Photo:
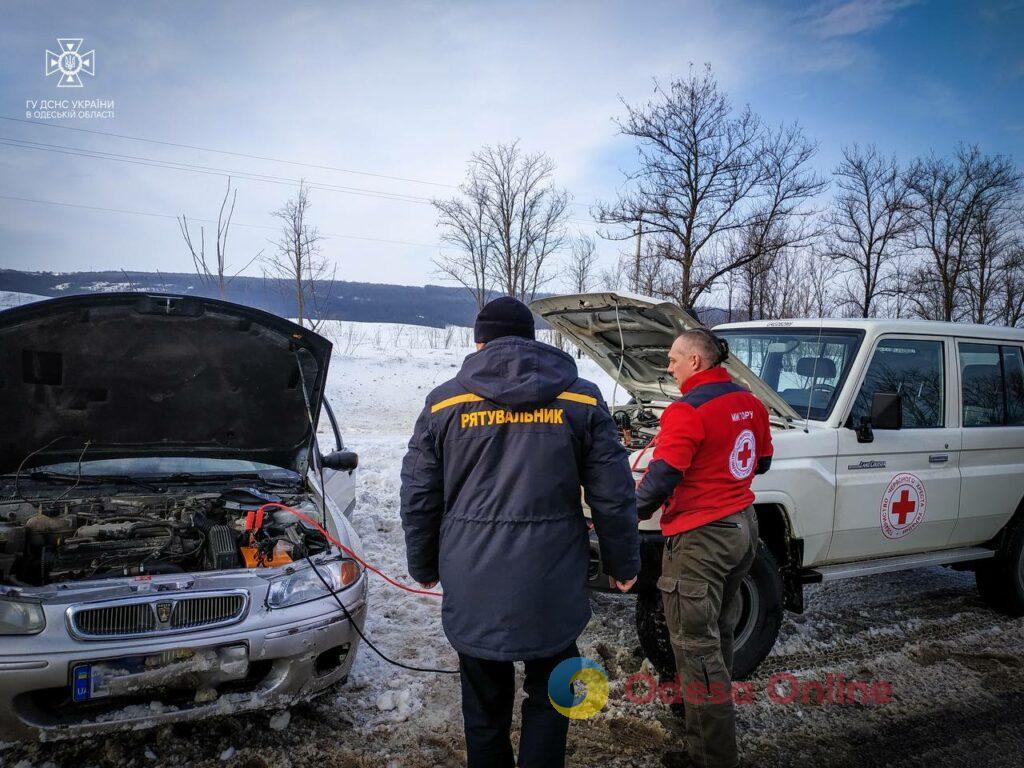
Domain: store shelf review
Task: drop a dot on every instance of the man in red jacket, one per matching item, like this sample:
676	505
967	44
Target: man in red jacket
711	443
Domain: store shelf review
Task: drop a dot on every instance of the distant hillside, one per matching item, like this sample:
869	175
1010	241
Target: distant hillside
432	305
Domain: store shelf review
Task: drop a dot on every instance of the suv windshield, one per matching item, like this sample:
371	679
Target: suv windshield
806	366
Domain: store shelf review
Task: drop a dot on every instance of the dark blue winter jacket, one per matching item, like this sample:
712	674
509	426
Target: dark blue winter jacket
491	500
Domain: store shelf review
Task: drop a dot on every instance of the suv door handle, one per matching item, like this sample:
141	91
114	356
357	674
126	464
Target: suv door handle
938	458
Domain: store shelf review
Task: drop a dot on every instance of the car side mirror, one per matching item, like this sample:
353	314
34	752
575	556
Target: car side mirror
886	411
340	461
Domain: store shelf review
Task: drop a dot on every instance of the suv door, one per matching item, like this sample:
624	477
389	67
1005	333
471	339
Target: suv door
992	461
901	491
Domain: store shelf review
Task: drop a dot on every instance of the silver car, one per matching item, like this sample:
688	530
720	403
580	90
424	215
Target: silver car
163	554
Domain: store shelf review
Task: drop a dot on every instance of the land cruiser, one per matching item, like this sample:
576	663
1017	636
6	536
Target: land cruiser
898	444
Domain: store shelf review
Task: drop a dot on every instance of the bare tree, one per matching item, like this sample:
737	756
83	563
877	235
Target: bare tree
582	260
1011	284
298	263
508	221
215	273
706	173
465	225
996	246
866	224
650	272
947	196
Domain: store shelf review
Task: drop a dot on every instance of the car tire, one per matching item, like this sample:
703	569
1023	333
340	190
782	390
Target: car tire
756	632
1001	579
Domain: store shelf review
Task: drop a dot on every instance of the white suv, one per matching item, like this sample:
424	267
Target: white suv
898	444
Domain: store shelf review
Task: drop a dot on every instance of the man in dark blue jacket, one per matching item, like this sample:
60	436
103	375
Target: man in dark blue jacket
491	508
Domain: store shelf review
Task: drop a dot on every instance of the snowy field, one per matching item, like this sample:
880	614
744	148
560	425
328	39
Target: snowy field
10	299
955	667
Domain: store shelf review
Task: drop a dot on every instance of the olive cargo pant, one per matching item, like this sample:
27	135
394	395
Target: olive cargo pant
701	574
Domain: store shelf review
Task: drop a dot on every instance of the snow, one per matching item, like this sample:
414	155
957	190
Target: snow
280	721
10	299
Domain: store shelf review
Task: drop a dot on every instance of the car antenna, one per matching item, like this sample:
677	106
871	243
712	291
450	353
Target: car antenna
814	375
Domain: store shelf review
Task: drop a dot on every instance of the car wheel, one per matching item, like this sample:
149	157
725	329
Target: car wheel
756	630
1001	579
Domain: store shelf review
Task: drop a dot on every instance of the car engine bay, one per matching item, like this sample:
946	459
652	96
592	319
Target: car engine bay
46	541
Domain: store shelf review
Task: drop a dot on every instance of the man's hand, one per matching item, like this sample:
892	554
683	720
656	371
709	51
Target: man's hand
622	586
432	584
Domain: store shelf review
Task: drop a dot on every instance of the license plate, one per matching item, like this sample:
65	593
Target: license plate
95	679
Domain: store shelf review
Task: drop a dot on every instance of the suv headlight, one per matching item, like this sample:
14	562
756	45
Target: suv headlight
21	618
303	586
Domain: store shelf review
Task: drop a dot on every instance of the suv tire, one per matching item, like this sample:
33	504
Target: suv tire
1001	579
758	628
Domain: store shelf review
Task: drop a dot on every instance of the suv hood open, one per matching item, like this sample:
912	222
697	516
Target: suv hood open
637	332
156	375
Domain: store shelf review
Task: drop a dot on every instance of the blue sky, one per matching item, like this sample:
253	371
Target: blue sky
411	89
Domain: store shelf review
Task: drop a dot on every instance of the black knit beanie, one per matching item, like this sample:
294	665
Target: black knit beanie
504	316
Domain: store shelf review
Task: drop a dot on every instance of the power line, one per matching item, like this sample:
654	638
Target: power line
214	171
209	221
240	154
207	170
228	152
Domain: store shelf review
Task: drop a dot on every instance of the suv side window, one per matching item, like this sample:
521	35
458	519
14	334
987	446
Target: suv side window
982	380
993	385
1013	372
913	369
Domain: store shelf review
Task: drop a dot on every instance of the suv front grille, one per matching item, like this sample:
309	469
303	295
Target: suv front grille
135	617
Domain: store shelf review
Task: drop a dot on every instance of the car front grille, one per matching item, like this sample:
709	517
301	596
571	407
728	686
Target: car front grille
135	617
203	611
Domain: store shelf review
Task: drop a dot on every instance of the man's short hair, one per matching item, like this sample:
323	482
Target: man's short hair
713	349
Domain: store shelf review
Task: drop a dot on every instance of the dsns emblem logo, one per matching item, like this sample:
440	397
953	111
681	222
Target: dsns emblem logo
70	62
578	706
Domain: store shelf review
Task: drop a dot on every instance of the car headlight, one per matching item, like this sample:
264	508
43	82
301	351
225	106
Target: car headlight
303	586
21	618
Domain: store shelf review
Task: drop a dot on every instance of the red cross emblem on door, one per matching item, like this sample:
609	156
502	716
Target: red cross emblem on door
903	505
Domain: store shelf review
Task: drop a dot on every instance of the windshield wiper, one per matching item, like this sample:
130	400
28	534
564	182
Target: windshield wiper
63	477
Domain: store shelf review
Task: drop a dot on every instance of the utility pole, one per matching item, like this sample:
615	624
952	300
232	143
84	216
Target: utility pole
636	259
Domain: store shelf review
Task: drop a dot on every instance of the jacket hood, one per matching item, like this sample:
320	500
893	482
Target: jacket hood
137	375
519	374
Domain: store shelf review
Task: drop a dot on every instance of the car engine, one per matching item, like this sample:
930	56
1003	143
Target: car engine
43	542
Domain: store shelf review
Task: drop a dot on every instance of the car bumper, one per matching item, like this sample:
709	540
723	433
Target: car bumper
651	545
256	664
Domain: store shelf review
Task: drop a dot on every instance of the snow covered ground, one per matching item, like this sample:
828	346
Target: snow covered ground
956	668
10	299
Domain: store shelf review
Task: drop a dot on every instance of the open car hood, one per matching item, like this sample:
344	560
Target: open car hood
156	375
648	327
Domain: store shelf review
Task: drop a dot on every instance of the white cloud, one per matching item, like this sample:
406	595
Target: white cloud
853	16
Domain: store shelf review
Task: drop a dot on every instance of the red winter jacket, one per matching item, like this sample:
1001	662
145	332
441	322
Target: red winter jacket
711	444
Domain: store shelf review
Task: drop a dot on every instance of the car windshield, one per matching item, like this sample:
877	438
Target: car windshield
806	366
165	466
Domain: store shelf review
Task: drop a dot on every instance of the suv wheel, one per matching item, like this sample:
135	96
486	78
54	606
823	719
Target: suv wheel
1001	579
756	631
